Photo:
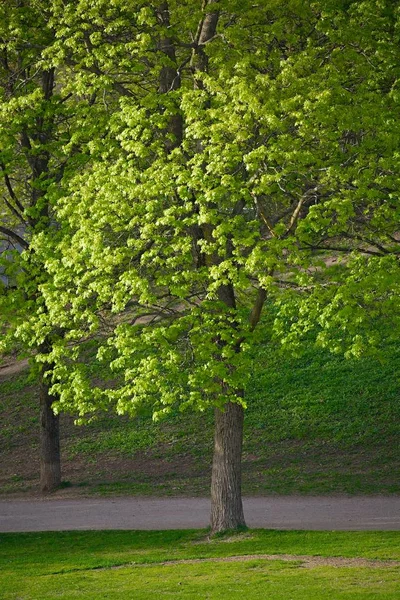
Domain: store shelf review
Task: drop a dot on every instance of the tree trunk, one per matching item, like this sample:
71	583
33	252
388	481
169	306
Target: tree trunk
226	494
50	464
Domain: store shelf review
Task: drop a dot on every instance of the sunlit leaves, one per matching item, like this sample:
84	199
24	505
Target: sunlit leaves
286	156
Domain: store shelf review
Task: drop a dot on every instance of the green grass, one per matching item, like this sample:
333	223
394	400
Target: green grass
314	425
75	565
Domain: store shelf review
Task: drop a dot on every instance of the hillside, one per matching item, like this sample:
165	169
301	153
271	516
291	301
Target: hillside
314	425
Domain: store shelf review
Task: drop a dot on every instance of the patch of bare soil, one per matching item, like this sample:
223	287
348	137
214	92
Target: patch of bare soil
308	562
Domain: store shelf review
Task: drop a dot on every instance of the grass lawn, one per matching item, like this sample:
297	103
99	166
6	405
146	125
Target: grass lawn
187	564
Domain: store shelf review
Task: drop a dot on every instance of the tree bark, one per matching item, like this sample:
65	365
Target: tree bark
50	463
226	482
170	79
226	500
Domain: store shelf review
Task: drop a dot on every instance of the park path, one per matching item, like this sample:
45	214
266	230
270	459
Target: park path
339	513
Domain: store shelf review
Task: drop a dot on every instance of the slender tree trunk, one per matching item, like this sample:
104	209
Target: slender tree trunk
50	464
226	495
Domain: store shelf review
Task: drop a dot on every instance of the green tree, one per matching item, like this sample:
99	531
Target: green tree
28	112
47	122
246	137
38	147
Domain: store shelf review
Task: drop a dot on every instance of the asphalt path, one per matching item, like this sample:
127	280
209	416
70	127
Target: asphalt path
339	513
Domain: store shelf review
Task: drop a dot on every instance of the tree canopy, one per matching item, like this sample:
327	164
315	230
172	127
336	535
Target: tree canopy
285	151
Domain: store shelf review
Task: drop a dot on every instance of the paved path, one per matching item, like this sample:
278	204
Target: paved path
274	512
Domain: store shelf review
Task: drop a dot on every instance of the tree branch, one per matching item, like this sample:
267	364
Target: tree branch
14	236
339	249
206	31
10	188
14	211
255	314
264	216
367	241
295	216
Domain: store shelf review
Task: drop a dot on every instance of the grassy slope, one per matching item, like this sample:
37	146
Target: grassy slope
74	565
319	424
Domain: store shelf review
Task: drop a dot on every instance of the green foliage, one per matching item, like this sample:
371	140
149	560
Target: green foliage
42	141
355	311
169	180
273	143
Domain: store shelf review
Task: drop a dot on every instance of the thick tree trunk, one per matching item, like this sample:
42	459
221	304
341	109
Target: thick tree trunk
50	464
226	500
226	495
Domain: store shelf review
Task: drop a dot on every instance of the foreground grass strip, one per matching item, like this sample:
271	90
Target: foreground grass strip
252	579
126	565
50	552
